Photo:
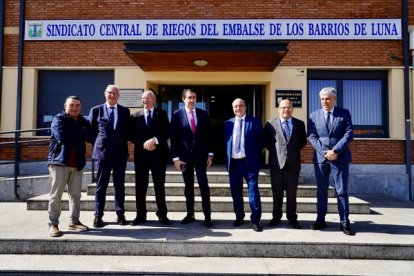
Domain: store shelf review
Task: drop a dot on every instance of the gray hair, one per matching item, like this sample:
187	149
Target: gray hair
151	93
110	87
330	91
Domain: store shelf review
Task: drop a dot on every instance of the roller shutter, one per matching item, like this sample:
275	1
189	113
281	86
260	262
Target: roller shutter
54	86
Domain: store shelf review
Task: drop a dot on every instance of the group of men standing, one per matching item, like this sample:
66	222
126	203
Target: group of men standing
110	127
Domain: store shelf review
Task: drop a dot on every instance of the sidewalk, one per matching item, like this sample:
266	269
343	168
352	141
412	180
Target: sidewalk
390	225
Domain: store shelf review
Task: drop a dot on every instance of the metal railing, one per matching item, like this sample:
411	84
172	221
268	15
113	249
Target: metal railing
16	144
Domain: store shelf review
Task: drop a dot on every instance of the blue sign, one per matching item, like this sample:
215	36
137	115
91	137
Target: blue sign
239	29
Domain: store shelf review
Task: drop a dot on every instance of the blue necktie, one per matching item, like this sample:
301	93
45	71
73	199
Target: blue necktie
328	121
112	116
286	130
149	119
238	136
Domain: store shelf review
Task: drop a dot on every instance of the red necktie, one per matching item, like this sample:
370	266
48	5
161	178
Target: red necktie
192	121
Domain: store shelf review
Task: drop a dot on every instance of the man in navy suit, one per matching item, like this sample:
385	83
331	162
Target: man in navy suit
284	138
191	149
110	122
150	131
243	135
330	132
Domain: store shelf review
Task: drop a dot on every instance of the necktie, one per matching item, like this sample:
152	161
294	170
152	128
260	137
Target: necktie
328	121
286	130
238	136
149	119
112	116
192	121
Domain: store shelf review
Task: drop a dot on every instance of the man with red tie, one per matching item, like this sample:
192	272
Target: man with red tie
191	150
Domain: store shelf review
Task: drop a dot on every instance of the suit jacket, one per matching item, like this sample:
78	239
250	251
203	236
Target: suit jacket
253	142
338	138
282	151
107	141
160	128
184	142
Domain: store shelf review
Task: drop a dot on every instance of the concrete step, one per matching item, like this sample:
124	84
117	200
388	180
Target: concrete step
173	176
216	189
221	240
175	265
218	204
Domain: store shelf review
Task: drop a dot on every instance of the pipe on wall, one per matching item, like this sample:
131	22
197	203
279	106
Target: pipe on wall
407	98
19	98
1	49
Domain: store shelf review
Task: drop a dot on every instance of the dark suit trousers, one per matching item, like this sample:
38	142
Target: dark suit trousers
103	173
238	171
200	167
145	162
284	180
339	173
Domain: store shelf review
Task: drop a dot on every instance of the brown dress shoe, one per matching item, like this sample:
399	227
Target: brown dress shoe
54	231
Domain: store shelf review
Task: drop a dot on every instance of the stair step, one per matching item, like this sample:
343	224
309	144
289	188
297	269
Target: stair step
173	265
216	189
173	176
218	204
195	240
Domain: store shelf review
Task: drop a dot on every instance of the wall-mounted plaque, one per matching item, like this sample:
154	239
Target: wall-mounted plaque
294	95
131	97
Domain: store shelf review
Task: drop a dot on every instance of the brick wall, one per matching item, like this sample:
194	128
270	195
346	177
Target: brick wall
301	53
378	151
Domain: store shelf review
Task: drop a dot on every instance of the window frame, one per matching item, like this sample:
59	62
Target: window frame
344	75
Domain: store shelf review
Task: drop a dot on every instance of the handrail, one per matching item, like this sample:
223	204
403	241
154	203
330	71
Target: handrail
16	145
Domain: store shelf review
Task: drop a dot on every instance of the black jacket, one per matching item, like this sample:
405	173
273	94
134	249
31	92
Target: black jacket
65	134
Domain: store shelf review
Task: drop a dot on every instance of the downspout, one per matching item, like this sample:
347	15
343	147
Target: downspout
407	99
1	48
412	86
19	99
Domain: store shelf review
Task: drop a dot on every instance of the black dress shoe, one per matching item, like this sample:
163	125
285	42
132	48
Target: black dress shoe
257	227
121	220
207	222
319	225
238	222
274	222
138	221
346	230
98	222
188	219
295	224
164	220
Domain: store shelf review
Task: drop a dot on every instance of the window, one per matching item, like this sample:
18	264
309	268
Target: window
363	93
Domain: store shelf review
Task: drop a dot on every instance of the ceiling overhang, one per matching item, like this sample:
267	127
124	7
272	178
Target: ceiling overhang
220	55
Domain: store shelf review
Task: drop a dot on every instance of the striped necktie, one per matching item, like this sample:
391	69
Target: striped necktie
112	116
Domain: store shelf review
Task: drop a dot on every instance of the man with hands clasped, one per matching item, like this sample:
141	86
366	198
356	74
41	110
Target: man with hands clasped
330	132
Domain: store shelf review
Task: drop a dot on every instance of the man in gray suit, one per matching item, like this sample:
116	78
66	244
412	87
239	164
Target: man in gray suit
285	137
330	132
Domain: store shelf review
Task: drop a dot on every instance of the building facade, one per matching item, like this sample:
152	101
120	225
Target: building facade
260	51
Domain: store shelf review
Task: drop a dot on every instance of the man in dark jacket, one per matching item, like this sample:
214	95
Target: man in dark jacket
66	157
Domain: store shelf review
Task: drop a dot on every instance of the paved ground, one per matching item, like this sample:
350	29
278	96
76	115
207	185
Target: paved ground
391	222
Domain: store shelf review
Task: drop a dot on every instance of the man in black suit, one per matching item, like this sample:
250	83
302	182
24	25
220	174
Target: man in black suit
150	131
110	123
284	138
190	149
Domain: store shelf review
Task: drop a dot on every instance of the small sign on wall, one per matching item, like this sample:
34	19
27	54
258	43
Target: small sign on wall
131	97
294	95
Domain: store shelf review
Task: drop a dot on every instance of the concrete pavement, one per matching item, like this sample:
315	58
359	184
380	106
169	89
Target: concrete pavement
386	237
